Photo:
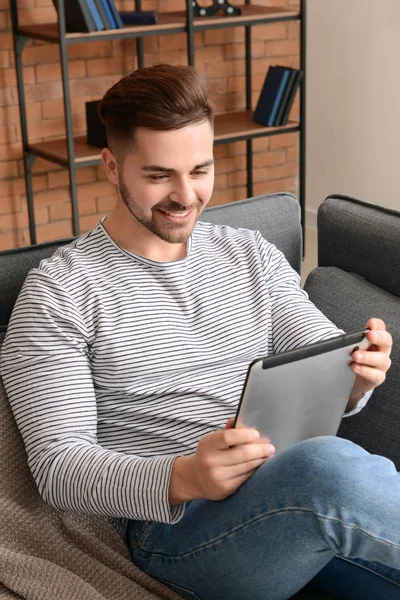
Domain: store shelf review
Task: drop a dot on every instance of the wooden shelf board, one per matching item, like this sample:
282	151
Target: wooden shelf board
166	21
235	124
227	126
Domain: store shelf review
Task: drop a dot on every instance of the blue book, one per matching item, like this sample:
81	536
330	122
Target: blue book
100	7
113	9
289	103
268	96
278	98
98	21
109	14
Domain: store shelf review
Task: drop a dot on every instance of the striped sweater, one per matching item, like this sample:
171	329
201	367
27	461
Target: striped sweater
114	364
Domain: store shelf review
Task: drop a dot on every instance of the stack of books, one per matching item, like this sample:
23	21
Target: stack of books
277	96
90	15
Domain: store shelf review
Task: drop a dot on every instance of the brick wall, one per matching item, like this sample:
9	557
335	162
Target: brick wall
93	69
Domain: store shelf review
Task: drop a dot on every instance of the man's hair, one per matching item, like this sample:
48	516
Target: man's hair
162	97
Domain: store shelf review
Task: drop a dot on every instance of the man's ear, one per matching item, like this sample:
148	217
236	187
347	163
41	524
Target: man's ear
110	166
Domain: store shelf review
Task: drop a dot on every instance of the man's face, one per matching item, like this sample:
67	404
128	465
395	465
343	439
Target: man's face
168	179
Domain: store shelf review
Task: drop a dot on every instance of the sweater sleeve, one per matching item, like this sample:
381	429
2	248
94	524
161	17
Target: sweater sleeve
45	364
296	321
288	301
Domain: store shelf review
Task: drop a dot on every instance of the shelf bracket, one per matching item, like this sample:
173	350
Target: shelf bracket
206	11
20	41
30	159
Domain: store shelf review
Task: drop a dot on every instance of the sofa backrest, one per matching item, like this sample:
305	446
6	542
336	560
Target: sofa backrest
275	216
361	238
358	278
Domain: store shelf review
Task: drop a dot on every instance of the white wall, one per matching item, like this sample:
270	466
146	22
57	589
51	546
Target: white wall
353	101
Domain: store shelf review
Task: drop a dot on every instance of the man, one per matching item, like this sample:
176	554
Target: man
124	362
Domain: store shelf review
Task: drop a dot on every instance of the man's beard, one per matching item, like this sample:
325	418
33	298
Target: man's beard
173	233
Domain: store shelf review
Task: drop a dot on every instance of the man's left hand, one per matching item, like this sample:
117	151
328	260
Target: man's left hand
372	364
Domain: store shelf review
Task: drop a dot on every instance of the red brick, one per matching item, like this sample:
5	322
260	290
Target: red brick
8	170
62	212
96	190
282	171
276	157
221	181
109	66
225	196
14	239
292	154
12	221
282	48
230	165
270	31
237	178
106	204
87	223
284	140
54	231
10	205
261	144
10	151
51	197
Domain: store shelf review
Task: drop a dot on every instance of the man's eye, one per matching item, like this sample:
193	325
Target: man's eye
199	173
157	177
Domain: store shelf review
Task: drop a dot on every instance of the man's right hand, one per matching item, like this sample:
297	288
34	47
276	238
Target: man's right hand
223	460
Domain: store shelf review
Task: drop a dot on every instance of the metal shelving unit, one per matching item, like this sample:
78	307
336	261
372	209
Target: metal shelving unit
74	152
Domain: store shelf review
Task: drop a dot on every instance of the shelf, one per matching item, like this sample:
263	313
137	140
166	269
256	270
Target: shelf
173	22
229	127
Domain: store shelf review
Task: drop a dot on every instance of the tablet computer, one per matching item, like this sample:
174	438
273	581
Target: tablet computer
302	393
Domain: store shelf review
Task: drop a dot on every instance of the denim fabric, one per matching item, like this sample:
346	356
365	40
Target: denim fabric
351	579
318	499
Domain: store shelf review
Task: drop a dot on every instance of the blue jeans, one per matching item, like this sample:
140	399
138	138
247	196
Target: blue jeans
319	499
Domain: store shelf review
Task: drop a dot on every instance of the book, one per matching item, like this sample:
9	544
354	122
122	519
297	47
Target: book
278	98
139	17
289	103
98	21
286	94
271	95
113	9
108	24
110	16
77	16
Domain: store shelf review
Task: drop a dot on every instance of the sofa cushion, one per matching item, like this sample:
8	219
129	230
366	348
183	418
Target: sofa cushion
349	301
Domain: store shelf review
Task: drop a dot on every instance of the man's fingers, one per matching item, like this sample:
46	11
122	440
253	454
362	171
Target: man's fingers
245	453
380	338
370	375
225	438
379	360
375	323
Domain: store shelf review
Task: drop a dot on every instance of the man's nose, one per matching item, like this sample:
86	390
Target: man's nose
183	192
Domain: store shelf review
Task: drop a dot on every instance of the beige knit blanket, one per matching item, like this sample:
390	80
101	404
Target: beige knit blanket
49	554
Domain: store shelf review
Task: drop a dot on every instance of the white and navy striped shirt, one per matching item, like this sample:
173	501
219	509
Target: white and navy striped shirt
114	364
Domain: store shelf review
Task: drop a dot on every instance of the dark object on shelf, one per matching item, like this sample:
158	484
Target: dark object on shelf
207	11
77	16
139	17
286	94
103	14
271	95
282	120
113	13
96	16
96	132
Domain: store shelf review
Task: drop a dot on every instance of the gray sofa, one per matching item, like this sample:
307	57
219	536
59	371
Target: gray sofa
47	553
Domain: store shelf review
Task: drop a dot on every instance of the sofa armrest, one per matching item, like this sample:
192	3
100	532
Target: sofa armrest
361	238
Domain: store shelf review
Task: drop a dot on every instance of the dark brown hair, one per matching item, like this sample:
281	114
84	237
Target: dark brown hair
161	97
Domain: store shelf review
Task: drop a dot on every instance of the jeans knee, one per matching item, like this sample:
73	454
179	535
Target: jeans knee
324	464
